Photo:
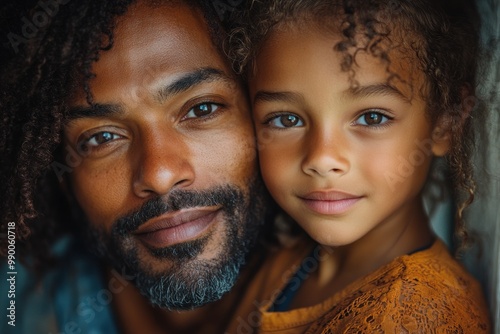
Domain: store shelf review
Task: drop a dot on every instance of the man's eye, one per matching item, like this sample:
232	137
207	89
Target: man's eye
285	121
201	110
372	118
98	139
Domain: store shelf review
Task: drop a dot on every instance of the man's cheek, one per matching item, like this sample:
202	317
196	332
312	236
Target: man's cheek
236	157
246	162
97	209
99	192
248	151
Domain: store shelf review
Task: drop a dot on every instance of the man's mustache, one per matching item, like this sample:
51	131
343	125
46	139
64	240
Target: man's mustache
176	200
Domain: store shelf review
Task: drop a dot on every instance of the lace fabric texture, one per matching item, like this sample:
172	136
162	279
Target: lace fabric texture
426	292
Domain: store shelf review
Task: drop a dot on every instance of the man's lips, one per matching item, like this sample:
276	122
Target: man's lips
176	227
329	202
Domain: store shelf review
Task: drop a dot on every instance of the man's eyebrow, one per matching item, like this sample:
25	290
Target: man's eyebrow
266	96
199	76
381	89
96	111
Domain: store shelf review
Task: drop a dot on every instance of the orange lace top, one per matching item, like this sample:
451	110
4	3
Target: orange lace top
425	292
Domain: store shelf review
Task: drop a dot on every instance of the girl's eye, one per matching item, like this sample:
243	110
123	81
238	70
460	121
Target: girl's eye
285	121
98	139
372	118
201	110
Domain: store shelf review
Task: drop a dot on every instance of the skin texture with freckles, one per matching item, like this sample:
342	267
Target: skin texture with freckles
347	163
168	180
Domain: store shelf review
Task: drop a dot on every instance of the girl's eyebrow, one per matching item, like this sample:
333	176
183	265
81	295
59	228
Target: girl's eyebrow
380	89
269	96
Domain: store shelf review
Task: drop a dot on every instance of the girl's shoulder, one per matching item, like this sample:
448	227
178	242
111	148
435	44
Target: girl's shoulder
436	287
419	293
433	267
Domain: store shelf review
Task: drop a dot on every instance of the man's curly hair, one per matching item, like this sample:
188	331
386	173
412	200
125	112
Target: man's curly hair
441	36
35	84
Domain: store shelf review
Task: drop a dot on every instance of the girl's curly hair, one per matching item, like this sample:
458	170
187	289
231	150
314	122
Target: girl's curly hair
441	36
35	83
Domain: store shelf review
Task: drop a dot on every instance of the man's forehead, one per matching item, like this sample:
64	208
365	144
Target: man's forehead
144	26
153	45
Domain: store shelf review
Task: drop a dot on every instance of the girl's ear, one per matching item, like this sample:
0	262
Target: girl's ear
451	123
441	136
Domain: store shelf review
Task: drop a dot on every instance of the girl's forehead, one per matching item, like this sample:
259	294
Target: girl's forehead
386	57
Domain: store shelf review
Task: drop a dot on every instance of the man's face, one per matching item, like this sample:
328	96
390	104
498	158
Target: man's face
168	178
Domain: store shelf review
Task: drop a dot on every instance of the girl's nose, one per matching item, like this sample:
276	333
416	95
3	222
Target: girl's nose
325	154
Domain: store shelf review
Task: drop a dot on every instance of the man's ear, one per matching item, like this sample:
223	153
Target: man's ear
451	123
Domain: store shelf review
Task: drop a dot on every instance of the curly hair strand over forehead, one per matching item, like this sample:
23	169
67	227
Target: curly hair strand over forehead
35	84
439	36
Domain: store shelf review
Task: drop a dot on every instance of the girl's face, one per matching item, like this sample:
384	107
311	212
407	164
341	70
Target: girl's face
346	162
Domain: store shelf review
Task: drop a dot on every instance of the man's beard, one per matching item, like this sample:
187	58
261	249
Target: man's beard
188	282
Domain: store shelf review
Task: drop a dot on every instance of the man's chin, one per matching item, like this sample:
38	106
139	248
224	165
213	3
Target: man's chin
192	285
182	276
190	274
179	254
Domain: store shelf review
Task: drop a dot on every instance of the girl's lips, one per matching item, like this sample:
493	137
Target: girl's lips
176	228
330	203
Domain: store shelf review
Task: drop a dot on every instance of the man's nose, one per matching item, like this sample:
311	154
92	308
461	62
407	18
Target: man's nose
162	163
325	153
